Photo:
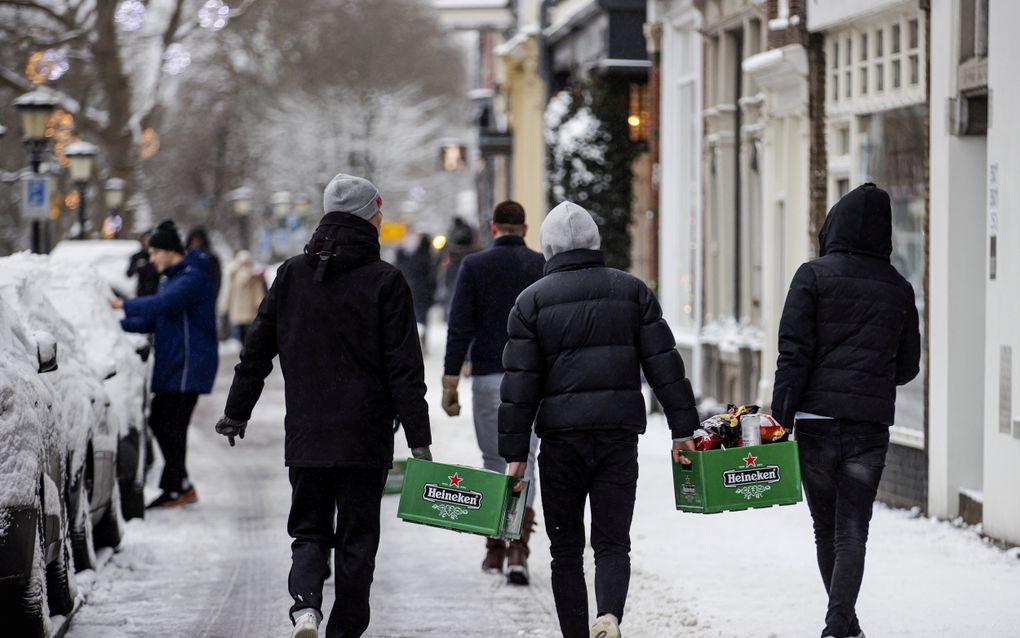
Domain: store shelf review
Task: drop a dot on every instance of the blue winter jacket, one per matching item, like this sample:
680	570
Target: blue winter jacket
182	314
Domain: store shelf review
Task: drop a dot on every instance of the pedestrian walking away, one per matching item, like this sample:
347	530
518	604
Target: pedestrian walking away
245	291
848	336
488	284
419	269
198	239
182	316
342	322
141	267
578	341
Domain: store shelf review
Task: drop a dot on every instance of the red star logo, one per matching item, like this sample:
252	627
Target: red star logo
750	459
455	480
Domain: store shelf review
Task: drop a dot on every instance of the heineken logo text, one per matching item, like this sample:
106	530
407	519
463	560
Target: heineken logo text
747	476
439	494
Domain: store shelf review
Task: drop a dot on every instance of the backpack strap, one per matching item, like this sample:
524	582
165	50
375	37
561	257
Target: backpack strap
324	256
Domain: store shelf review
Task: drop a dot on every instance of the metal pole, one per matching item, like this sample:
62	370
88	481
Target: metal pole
81	209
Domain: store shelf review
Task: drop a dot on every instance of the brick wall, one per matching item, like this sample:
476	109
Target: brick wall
905	479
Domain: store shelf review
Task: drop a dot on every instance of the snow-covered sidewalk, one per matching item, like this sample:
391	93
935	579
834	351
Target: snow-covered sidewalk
220	569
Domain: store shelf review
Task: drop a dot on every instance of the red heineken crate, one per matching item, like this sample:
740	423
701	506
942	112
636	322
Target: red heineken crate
738	478
464	499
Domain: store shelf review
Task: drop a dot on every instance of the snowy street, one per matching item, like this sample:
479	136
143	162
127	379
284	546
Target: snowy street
219	569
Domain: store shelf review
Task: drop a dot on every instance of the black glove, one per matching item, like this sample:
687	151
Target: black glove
230	428
422	453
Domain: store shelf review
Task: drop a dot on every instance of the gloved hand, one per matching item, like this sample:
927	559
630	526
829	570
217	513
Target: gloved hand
422	453
451	400
230	428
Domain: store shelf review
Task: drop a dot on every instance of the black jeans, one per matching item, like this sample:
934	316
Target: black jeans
841	466
169	419
352	496
600	466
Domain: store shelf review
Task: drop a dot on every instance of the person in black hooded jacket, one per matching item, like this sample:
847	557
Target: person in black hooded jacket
578	341
848	336
342	322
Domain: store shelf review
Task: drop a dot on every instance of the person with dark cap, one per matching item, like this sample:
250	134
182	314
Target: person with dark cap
849	335
578	341
182	315
487	286
342	322
198	239
140	266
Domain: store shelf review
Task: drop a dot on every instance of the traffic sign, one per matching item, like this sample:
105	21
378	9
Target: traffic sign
35	198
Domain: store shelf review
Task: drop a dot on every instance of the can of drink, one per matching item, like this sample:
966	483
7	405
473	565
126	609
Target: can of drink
750	429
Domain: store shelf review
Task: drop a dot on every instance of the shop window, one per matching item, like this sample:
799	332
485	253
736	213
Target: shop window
879	77
638	115
896	81
864	47
915	70
895	38
842	186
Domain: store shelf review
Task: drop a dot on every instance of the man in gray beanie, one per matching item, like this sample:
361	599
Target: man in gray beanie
342	322
579	339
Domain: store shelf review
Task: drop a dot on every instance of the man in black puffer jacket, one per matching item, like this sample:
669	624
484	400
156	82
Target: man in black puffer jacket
849	335
342	322
578	340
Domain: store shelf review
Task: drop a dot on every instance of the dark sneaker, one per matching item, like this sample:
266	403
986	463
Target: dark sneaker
166	500
495	554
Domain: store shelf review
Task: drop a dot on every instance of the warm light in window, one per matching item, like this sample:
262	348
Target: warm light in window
634	121
439	241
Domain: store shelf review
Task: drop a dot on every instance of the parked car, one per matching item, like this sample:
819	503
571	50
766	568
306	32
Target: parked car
83	413
80	296
109	257
36	566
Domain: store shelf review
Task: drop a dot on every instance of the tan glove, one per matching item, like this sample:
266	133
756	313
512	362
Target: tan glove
451	401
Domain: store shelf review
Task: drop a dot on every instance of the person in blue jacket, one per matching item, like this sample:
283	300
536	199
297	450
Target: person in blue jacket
182	314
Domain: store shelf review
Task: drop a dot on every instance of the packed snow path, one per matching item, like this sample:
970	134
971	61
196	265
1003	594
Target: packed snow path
219	569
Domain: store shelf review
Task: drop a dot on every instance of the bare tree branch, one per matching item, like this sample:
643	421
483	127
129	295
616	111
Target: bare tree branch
63	19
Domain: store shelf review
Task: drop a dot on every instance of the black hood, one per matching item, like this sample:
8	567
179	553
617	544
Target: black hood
860	222
342	242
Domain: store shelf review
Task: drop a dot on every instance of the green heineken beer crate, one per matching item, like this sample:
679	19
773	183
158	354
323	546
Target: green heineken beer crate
738	478
464	499
395	478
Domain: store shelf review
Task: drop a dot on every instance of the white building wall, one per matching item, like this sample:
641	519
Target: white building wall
957	286
680	174
1002	450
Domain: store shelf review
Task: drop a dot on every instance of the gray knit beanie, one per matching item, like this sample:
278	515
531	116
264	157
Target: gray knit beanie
569	227
353	195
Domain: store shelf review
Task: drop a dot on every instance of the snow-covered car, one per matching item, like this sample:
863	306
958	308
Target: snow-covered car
36	568
108	257
82	413
80	296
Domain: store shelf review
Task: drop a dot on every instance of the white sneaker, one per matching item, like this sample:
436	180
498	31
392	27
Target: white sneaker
306	625
606	626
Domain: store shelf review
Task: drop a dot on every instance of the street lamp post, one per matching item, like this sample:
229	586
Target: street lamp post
35	108
281	202
241	202
82	156
113	195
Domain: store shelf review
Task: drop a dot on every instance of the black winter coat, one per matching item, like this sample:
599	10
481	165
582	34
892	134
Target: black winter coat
849	333
349	352
579	338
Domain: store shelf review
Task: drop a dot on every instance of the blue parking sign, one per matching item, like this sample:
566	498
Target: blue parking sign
35	200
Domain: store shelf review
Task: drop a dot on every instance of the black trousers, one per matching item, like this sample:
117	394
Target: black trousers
841	465
169	419
600	466
351	497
